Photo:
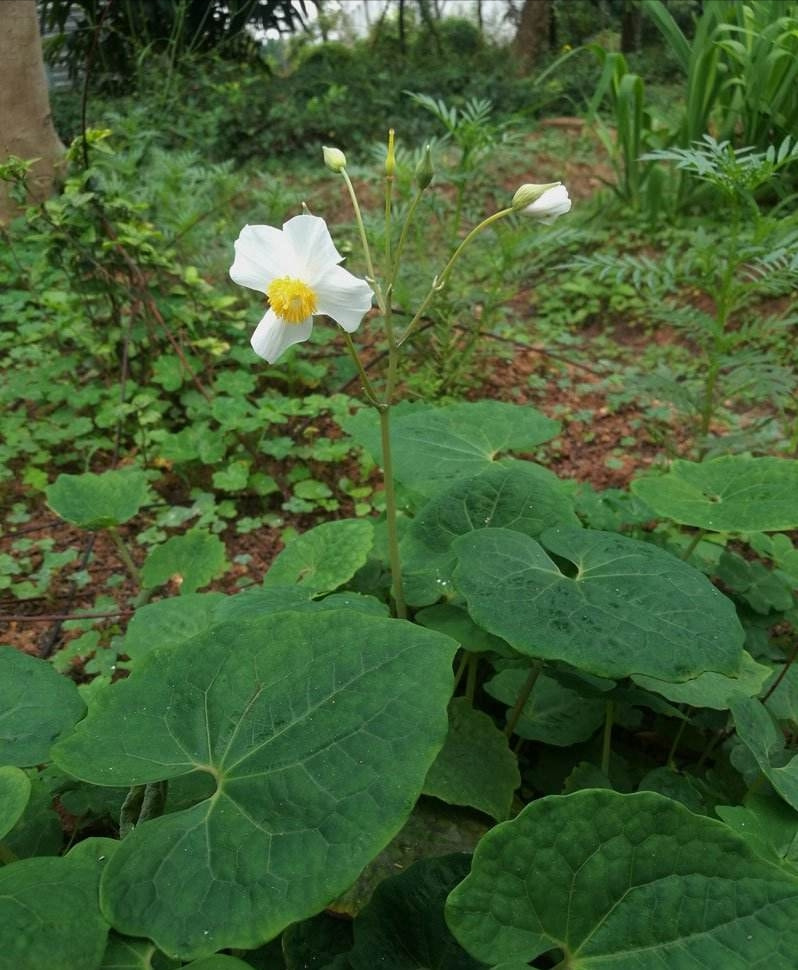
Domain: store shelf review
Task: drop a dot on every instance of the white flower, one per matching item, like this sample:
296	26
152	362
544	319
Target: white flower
552	203
297	268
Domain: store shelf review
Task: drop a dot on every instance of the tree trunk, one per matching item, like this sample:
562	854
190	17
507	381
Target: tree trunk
631	26
532	36
26	126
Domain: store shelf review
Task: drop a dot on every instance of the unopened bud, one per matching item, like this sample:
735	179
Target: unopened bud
390	158
529	193
424	170
334	159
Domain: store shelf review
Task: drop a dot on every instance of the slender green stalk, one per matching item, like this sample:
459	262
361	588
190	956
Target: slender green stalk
440	280
125	556
693	543
471	677
390	513
606	746
364	241
394	269
368	387
671	763
461	669
523	697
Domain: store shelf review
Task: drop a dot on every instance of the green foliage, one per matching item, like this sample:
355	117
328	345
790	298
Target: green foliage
253	759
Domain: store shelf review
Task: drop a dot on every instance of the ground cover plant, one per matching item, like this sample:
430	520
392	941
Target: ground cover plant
446	612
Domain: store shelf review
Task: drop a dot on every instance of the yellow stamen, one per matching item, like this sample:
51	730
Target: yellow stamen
292	300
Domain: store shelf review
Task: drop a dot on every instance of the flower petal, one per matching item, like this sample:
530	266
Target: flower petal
262	254
273	336
342	296
311	241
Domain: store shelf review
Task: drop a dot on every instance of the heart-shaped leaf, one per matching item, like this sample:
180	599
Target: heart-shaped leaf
14	795
49	916
623	882
733	493
431	445
36	705
711	689
761	735
519	495
628	608
195	558
475	767
301	720
324	558
98	501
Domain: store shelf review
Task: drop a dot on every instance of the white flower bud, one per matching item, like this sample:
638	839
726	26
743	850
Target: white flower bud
334	159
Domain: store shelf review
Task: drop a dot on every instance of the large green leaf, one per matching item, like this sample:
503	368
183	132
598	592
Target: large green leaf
711	689
628	608
733	493
98	501
169	622
403	926
624	882
36	705
14	795
49	916
38	830
195	558
552	714
768	825
324	558
761	735
431	445
302	721
475	766
520	496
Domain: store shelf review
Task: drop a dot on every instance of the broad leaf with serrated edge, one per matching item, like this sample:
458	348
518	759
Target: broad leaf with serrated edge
195	558
733	493
98	501
630	607
624	882
302	722
323	558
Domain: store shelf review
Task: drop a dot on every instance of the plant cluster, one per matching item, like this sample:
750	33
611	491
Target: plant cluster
496	647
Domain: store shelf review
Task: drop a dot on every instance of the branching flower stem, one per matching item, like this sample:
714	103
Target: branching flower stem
440	280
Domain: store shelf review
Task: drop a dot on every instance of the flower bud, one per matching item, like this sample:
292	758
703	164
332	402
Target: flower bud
424	170
530	193
334	159
552	202
390	158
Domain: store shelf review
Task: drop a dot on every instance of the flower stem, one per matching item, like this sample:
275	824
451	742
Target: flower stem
364	241
523	697
124	555
440	280
390	512
693	543
368	387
